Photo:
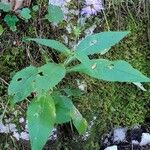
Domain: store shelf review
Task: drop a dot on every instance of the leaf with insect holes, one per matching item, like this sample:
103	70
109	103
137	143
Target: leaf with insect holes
103	69
41	119
11	21
51	44
6	7
99	42
25	13
55	14
32	79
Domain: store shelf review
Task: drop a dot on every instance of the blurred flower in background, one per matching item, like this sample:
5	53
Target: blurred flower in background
92	7
57	2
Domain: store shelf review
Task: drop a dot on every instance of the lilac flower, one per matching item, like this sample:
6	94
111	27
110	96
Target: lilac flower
92	7
57	2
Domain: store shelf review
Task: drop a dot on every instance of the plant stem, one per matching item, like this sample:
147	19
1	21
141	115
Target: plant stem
2	80
105	17
2	116
69	60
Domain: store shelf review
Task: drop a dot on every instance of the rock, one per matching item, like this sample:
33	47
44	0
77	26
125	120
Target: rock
145	139
134	142
114	147
136	134
136	138
24	136
119	135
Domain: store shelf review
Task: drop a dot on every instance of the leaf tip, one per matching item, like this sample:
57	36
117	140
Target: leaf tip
25	39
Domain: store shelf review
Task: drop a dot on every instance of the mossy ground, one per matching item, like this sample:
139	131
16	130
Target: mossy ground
114	104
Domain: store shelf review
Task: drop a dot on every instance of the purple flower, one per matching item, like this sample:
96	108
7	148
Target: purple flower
57	2
92	7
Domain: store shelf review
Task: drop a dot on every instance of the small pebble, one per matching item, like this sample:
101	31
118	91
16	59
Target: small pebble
21	120
119	135
16	135
145	139
136	134
111	148
24	136
134	142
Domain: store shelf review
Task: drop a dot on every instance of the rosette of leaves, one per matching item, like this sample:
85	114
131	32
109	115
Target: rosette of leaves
11	21
6	7
49	109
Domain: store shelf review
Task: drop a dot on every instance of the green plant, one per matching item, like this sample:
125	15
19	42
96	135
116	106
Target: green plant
55	14
35	8
5	7
11	21
25	14
49	108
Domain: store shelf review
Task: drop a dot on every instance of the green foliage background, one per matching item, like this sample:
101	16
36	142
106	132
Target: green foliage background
114	104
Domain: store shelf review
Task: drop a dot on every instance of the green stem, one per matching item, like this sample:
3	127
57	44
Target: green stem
69	60
105	17
2	116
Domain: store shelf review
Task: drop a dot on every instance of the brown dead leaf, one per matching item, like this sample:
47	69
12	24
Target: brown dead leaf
17	4
12	2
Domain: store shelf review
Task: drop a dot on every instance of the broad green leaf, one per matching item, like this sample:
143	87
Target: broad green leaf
55	14
21	84
6	7
79	122
64	107
66	111
25	13
11	21
111	71
82	58
100	42
41	118
32	79
1	30
51	44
